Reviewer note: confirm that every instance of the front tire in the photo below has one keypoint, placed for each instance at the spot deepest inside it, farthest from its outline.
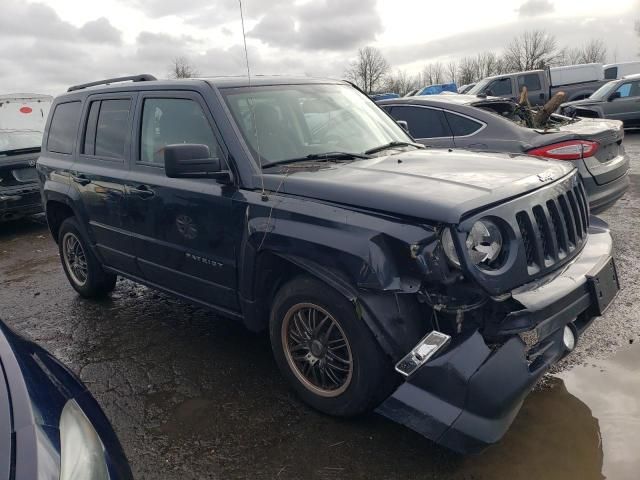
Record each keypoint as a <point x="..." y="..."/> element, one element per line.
<point x="326" y="351"/>
<point x="83" y="270"/>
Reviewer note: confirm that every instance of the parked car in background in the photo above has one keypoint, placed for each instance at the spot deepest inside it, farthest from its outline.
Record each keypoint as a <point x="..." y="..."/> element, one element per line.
<point x="383" y="96"/>
<point x="50" y="425"/>
<point x="437" y="89"/>
<point x="616" y="100"/>
<point x="466" y="88"/>
<point x="576" y="81"/>
<point x="22" y="119"/>
<point x="389" y="276"/>
<point x="616" y="71"/>
<point x="467" y="121"/>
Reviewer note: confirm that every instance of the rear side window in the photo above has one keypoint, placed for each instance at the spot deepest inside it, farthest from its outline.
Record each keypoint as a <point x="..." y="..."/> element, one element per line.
<point x="63" y="129"/>
<point x="500" y="87"/>
<point x="462" y="126"/>
<point x="423" y="122"/>
<point x="531" y="81"/>
<point x="107" y="128"/>
<point x="170" y="121"/>
<point x="611" y="73"/>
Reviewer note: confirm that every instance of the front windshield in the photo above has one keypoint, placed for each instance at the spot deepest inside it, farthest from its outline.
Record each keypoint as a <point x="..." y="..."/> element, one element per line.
<point x="286" y="122"/>
<point x="22" y="122"/>
<point x="479" y="87"/>
<point x="604" y="91"/>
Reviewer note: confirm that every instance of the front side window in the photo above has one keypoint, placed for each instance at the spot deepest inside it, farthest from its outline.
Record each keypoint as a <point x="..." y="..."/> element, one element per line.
<point x="63" y="129"/>
<point x="631" y="89"/>
<point x="286" y="122"/>
<point x="500" y="87"/>
<point x="423" y="122"/>
<point x="171" y="121"/>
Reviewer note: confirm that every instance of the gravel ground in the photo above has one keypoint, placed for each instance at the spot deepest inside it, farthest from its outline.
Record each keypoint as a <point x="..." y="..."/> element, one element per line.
<point x="191" y="397"/>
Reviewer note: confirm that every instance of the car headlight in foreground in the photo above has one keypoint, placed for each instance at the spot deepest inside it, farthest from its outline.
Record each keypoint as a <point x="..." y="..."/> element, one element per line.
<point x="82" y="452"/>
<point x="484" y="244"/>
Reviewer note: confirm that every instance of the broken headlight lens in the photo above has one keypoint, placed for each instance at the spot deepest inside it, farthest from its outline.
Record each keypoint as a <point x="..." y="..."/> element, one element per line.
<point x="449" y="248"/>
<point x="484" y="243"/>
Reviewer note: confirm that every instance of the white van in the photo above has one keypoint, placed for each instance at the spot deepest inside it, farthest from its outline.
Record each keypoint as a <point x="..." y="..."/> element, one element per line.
<point x="615" y="71"/>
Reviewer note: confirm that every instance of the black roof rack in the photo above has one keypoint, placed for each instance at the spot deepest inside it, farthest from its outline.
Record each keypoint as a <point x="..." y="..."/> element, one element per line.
<point x="145" y="77"/>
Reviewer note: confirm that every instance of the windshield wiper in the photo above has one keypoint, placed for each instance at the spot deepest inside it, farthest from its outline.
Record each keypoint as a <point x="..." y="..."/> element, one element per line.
<point x="391" y="145"/>
<point x="319" y="156"/>
<point x="19" y="151"/>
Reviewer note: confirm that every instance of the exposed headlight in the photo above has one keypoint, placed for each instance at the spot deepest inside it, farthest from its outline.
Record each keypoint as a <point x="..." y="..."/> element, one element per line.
<point x="484" y="242"/>
<point x="449" y="248"/>
<point x="82" y="452"/>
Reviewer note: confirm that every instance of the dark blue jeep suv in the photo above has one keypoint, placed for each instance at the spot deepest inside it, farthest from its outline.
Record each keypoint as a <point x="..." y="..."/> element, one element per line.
<point x="435" y="286"/>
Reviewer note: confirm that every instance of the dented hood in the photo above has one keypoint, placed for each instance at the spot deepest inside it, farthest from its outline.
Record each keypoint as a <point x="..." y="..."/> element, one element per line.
<point x="433" y="185"/>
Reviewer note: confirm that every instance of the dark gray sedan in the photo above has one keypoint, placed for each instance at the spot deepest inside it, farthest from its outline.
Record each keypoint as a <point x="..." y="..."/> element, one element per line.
<point x="594" y="146"/>
<point x="616" y="100"/>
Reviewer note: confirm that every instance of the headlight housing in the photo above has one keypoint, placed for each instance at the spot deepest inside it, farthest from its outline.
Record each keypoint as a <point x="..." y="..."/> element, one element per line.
<point x="82" y="451"/>
<point x="484" y="244"/>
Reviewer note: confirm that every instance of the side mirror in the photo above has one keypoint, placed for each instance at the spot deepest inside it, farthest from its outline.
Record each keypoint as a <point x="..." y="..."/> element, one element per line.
<point x="190" y="161"/>
<point x="488" y="93"/>
<point x="614" y="95"/>
<point x="403" y="124"/>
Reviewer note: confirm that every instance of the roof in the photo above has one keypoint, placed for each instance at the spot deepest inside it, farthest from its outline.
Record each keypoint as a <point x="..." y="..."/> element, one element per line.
<point x="458" y="99"/>
<point x="218" y="82"/>
<point x="631" y="77"/>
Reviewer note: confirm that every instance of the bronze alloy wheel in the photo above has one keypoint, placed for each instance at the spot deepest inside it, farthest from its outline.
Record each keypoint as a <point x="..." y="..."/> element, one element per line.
<point x="74" y="258"/>
<point x="317" y="350"/>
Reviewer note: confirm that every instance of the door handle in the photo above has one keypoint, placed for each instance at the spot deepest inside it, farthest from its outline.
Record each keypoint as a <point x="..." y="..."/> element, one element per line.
<point x="81" y="179"/>
<point x="143" y="191"/>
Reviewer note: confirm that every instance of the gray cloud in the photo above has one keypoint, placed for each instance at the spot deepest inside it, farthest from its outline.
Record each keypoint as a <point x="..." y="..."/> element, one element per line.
<point x="336" y="25"/>
<point x="101" y="31"/>
<point x="533" y="8"/>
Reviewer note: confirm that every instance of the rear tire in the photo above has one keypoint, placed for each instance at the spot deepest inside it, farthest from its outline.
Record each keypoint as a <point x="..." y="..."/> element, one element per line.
<point x="83" y="270"/>
<point x="326" y="352"/>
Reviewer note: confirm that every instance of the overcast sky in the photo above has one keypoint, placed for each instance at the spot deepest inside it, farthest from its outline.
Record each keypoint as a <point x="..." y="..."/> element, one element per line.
<point x="48" y="45"/>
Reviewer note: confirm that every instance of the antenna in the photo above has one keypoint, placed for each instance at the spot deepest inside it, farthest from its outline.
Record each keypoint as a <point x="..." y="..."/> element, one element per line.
<point x="253" y="113"/>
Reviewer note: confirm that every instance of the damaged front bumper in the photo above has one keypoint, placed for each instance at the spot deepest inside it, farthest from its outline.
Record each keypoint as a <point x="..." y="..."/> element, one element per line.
<point x="466" y="397"/>
<point x="19" y="201"/>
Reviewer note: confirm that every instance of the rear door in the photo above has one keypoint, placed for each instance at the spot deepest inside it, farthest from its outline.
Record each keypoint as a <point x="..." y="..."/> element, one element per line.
<point x="426" y="124"/>
<point x="100" y="173"/>
<point x="182" y="228"/>
<point x="627" y="107"/>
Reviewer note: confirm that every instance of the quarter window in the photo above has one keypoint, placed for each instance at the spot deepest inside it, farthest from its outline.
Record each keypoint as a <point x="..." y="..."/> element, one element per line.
<point x="423" y="122"/>
<point x="64" y="125"/>
<point x="462" y="126"/>
<point x="170" y="121"/>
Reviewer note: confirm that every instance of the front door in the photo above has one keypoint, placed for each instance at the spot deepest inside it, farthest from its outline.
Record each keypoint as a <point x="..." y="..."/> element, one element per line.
<point x="99" y="175"/>
<point x="627" y="106"/>
<point x="181" y="227"/>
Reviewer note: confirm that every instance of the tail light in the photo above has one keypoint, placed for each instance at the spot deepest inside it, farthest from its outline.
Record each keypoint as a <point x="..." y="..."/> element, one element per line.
<point x="571" y="150"/>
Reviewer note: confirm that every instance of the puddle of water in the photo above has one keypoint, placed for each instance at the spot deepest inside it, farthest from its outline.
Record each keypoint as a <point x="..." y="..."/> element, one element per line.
<point x="611" y="388"/>
<point x="585" y="426"/>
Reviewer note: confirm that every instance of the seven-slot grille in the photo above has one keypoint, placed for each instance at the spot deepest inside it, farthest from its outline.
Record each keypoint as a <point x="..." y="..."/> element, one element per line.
<point x="554" y="230"/>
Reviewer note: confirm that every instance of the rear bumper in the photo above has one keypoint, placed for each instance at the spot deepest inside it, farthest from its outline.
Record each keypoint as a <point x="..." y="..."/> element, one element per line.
<point x="19" y="201"/>
<point x="601" y="197"/>
<point x="467" y="397"/>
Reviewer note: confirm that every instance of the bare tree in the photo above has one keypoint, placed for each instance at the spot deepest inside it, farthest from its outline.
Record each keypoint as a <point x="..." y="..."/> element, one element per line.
<point x="637" y="28"/>
<point x="433" y="73"/>
<point x="595" y="51"/>
<point x="467" y="70"/>
<point x="182" y="68"/>
<point x="401" y="83"/>
<point x="452" y="71"/>
<point x="532" y="50"/>
<point x="569" y="56"/>
<point x="369" y="69"/>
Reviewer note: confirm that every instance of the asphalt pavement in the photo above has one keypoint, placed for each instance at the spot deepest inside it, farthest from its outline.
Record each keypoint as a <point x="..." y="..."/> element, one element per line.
<point x="192" y="396"/>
